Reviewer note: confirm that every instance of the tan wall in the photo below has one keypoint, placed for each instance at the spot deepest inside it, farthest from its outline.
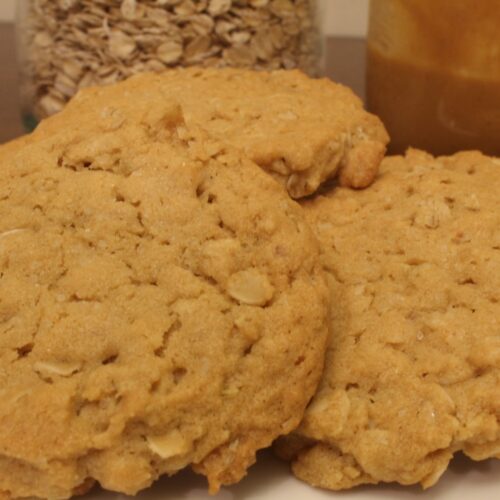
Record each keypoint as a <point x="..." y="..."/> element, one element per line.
<point x="346" y="17"/>
<point x="7" y="8"/>
<point x="342" y="17"/>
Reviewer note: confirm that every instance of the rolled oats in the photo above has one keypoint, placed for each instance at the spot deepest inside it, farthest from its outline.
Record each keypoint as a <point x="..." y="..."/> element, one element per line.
<point x="70" y="44"/>
<point x="169" y="52"/>
<point x="250" y="287"/>
<point x="169" y="445"/>
<point x="218" y="7"/>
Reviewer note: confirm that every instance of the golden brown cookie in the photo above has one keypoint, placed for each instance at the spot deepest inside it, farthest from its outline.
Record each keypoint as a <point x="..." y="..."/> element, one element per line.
<point x="413" y="369"/>
<point x="304" y="131"/>
<point x="162" y="304"/>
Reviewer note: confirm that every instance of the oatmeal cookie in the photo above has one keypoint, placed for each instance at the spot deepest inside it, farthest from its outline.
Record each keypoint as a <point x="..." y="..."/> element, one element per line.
<point x="303" y="131"/>
<point x="162" y="304"/>
<point x="413" y="370"/>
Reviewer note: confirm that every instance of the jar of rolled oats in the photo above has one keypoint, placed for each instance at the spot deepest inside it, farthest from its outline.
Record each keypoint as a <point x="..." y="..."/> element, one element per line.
<point x="66" y="45"/>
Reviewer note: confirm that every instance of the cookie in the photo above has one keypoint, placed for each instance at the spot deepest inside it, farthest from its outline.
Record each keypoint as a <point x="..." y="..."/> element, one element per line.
<point x="162" y="304"/>
<point x="413" y="370"/>
<point x="301" y="130"/>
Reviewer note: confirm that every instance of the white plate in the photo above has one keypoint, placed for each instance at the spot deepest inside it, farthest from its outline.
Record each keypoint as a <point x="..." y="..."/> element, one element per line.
<point x="270" y="479"/>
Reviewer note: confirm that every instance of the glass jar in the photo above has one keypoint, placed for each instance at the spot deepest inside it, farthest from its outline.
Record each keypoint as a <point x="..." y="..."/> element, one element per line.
<point x="434" y="73"/>
<point x="65" y="45"/>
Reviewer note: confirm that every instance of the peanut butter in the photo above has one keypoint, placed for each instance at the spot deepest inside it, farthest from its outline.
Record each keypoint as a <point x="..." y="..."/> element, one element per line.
<point x="434" y="73"/>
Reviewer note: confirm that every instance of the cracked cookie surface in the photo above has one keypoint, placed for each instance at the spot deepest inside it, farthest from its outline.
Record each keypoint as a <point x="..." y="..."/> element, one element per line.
<point x="162" y="305"/>
<point x="413" y="370"/>
<point x="303" y="131"/>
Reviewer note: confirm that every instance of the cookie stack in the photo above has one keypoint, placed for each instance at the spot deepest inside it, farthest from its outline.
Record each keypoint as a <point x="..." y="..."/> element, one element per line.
<point x="164" y="302"/>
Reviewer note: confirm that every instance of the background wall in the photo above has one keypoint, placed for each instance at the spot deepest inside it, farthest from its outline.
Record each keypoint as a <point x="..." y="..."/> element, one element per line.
<point x="7" y="8"/>
<point x="346" y="17"/>
<point x="342" y="17"/>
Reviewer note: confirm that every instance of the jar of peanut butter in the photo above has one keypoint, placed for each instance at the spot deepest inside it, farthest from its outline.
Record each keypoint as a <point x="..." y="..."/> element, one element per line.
<point x="434" y="73"/>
